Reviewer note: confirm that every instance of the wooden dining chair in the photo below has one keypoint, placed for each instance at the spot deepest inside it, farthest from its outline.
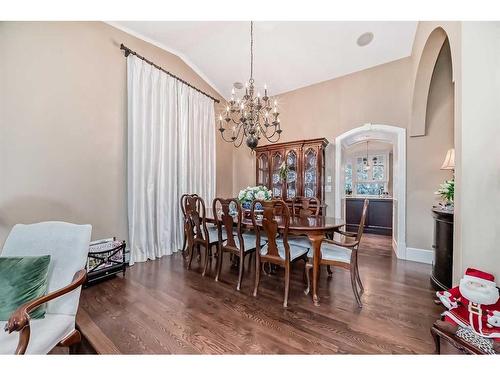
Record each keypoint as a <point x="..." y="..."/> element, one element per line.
<point x="278" y="250"/>
<point x="304" y="207"/>
<point x="344" y="254"/>
<point x="232" y="238"/>
<point x="185" y="220"/>
<point x="199" y="234"/>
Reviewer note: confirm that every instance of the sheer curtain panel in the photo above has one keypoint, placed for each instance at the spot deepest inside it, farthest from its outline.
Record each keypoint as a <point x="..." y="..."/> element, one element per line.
<point x="171" y="151"/>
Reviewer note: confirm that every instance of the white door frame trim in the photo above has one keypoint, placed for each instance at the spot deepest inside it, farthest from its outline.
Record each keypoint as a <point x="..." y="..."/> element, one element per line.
<point x="397" y="136"/>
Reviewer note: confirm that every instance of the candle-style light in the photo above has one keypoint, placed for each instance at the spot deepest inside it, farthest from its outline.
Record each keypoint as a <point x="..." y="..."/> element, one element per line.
<point x="250" y="117"/>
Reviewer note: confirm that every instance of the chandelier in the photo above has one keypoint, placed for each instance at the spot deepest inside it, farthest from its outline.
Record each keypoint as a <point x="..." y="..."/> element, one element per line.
<point x="250" y="117"/>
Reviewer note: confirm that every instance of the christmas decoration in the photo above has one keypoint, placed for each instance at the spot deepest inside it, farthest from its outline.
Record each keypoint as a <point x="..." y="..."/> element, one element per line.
<point x="474" y="304"/>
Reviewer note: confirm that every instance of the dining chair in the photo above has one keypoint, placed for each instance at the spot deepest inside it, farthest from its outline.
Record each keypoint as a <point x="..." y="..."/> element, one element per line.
<point x="304" y="207"/>
<point x="344" y="254"/>
<point x="199" y="234"/>
<point x="232" y="238"/>
<point x="185" y="219"/>
<point x="277" y="250"/>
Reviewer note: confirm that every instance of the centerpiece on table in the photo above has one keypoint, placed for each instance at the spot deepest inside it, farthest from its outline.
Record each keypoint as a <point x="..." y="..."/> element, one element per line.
<point x="248" y="195"/>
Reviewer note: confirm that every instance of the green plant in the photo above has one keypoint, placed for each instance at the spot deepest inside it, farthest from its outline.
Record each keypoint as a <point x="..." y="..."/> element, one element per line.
<point x="447" y="190"/>
<point x="283" y="171"/>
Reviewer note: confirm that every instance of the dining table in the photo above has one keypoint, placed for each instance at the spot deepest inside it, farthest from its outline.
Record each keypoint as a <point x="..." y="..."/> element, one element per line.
<point x="314" y="227"/>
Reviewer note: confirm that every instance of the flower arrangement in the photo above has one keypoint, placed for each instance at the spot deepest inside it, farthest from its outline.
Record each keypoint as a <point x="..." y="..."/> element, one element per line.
<point x="447" y="190"/>
<point x="248" y="195"/>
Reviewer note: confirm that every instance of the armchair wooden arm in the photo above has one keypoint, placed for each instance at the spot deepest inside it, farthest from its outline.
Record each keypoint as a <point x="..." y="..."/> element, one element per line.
<point x="347" y="234"/>
<point x="19" y="320"/>
<point x="349" y="245"/>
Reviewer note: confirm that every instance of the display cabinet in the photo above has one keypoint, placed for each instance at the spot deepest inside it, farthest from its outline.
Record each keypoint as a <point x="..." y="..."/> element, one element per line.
<point x="305" y="161"/>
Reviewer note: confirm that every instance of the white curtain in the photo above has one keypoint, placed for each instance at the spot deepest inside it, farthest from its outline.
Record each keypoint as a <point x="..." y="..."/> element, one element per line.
<point x="171" y="151"/>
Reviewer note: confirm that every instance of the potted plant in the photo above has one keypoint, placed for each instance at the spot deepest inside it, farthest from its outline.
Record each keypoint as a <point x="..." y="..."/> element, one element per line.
<point x="447" y="192"/>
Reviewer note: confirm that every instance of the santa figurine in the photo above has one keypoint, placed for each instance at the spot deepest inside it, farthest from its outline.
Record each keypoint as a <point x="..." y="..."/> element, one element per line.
<point x="474" y="304"/>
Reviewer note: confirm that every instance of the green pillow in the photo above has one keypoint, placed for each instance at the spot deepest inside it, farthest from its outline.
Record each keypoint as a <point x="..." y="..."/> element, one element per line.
<point x="22" y="279"/>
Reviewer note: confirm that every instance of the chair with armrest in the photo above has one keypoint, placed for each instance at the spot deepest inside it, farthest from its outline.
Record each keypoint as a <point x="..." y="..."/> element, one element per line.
<point x="68" y="246"/>
<point x="344" y="254"/>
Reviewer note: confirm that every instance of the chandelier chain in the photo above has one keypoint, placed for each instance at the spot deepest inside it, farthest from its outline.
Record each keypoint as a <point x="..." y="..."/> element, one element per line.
<point x="251" y="50"/>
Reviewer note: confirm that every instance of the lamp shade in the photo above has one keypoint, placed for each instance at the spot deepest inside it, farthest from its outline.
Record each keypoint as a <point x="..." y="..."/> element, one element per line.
<point x="449" y="160"/>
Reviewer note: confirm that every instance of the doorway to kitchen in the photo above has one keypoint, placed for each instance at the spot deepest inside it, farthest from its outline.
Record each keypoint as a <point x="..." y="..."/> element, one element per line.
<point x="370" y="162"/>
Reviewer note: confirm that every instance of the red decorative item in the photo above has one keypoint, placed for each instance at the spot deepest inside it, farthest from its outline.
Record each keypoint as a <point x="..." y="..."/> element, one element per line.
<point x="474" y="304"/>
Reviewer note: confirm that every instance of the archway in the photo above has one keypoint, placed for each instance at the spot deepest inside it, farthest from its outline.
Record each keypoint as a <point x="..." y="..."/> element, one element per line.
<point x="423" y="79"/>
<point x="397" y="137"/>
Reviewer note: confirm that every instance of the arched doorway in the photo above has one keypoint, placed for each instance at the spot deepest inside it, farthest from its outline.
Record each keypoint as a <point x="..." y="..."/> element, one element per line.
<point x="385" y="133"/>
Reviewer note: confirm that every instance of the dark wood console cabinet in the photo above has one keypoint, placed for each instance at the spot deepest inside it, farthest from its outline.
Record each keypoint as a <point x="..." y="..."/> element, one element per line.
<point x="306" y="164"/>
<point x="442" y="267"/>
<point x="378" y="218"/>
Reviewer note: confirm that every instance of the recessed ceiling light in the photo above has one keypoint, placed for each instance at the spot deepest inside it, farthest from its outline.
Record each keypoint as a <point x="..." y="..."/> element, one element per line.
<point x="238" y="85"/>
<point x="365" y="39"/>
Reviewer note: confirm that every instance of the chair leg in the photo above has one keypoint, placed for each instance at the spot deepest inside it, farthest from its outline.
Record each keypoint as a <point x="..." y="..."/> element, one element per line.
<point x="354" y="286"/>
<point x="242" y="269"/>
<point x="184" y="242"/>
<point x="207" y="256"/>
<point x="191" y="253"/>
<point x="198" y="247"/>
<point x="219" y="263"/>
<point x="358" y="279"/>
<point x="257" y="274"/>
<point x="329" y="270"/>
<point x="307" y="270"/>
<point x="287" y="284"/>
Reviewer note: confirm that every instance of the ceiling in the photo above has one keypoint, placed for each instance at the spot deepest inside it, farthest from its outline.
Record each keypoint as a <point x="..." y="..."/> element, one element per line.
<point x="288" y="55"/>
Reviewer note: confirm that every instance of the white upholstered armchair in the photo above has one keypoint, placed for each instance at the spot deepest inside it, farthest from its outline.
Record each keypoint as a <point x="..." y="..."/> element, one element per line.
<point x="68" y="246"/>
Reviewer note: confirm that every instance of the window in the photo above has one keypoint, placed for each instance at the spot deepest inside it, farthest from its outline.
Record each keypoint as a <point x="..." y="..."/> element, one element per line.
<point x="372" y="180"/>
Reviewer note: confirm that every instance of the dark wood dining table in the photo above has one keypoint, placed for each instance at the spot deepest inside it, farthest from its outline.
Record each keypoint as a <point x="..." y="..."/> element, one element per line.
<point x="314" y="227"/>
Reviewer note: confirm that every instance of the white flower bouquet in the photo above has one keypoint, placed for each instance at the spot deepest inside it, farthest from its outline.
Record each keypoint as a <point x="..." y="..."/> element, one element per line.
<point x="248" y="195"/>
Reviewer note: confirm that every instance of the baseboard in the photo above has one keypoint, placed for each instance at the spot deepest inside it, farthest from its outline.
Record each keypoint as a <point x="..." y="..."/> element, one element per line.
<point x="394" y="245"/>
<point x="419" y="255"/>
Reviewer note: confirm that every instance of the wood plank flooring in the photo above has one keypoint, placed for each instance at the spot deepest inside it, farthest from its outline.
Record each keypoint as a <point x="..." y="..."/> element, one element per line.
<point x="161" y="307"/>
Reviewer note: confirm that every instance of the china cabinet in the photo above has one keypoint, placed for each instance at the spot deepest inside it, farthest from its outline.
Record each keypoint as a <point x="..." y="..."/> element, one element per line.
<point x="305" y="162"/>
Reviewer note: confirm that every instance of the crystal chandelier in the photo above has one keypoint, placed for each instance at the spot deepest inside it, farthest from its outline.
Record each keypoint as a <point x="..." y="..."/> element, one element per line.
<point x="250" y="117"/>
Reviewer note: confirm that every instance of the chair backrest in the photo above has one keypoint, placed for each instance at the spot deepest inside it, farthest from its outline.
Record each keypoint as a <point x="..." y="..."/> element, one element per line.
<point x="229" y="222"/>
<point x="68" y="247"/>
<point x="196" y="216"/>
<point x="305" y="206"/>
<point x="273" y="210"/>
<point x="183" y="202"/>
<point x="362" y="221"/>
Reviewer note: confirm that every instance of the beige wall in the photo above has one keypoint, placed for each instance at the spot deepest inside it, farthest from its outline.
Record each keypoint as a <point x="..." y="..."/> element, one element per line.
<point x="480" y="188"/>
<point x="63" y="123"/>
<point x="379" y="95"/>
<point x="425" y="155"/>
<point x="328" y="109"/>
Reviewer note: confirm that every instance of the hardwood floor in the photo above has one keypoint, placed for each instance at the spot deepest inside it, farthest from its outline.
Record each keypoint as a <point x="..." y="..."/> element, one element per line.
<point x="161" y="307"/>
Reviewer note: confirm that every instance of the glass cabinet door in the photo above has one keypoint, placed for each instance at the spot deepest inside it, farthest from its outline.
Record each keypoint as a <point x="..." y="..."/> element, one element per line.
<point x="291" y="180"/>
<point x="263" y="170"/>
<point x="276" y="183"/>
<point x="310" y="173"/>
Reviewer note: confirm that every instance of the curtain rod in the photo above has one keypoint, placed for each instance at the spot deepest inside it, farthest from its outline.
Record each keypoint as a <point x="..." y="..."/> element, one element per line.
<point x="128" y="51"/>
